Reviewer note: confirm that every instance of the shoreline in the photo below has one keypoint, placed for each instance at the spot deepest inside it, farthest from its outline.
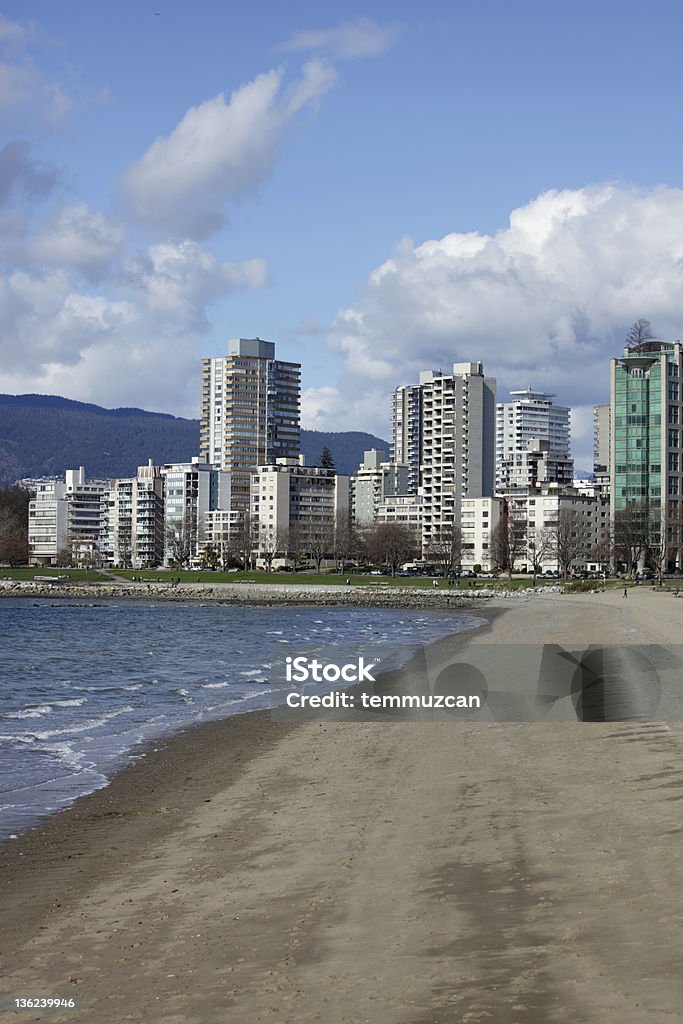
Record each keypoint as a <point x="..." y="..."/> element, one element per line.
<point x="387" y="871"/>
<point x="260" y="594"/>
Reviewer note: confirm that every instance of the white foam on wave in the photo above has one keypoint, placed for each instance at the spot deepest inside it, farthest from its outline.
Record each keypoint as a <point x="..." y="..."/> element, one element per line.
<point x="92" y="723"/>
<point x="34" y="712"/>
<point x="214" y="686"/>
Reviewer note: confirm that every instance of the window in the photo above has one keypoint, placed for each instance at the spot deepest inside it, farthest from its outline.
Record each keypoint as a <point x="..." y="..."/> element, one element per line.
<point x="673" y="462"/>
<point x="673" y="414"/>
<point x="673" y="485"/>
<point x="673" y="391"/>
<point x="673" y="439"/>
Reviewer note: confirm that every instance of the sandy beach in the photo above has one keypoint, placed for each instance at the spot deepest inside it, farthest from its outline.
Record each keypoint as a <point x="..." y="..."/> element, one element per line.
<point x="372" y="871"/>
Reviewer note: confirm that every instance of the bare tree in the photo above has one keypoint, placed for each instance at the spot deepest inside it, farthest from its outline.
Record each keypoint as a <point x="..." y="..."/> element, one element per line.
<point x="638" y="333"/>
<point x="508" y="542"/>
<point x="347" y="542"/>
<point x="445" y="547"/>
<point x="317" y="539"/>
<point x="270" y="543"/>
<point x="390" y="544"/>
<point x="182" y="539"/>
<point x="14" y="502"/>
<point x="569" y="538"/>
<point x="630" y="532"/>
<point x="539" y="545"/>
<point x="244" y="538"/>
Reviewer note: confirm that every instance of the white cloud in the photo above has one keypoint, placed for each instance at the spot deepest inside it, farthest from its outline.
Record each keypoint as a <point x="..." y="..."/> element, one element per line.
<point x="545" y="301"/>
<point x="360" y="37"/>
<point x="176" y="281"/>
<point x="219" y="152"/>
<point x="79" y="238"/>
<point x="79" y="317"/>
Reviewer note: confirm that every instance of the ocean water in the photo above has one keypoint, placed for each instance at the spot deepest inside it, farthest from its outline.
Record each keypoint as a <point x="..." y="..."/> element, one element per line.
<point x="81" y="686"/>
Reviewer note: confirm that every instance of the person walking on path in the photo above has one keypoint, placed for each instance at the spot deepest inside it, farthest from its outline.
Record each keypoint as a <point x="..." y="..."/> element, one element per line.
<point x="625" y="591"/>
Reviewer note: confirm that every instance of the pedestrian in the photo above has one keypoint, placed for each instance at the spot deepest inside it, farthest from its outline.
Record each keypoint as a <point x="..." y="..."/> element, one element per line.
<point x="625" y="592"/>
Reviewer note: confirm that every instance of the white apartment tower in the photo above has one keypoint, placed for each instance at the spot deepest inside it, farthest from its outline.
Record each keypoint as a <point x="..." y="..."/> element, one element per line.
<point x="446" y="425"/>
<point x="250" y="412"/>
<point x="530" y="416"/>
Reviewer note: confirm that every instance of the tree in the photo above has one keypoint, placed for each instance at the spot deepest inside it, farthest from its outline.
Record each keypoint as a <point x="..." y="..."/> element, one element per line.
<point x="569" y="538"/>
<point x="390" y="544"/>
<point x="244" y="538"/>
<point x="630" y="531"/>
<point x="538" y="546"/>
<point x="638" y="333"/>
<point x="210" y="557"/>
<point x="14" y="503"/>
<point x="326" y="460"/>
<point x="347" y="542"/>
<point x="271" y="543"/>
<point x="508" y="542"/>
<point x="316" y="537"/>
<point x="182" y="539"/>
<point x="445" y="547"/>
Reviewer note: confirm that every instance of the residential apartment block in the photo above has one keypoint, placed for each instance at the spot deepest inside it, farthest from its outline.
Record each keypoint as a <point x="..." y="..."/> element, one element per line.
<point x="447" y="423"/>
<point x="479" y="517"/>
<point x="375" y="481"/>
<point x="292" y="498"/>
<point x="530" y="417"/>
<point x="134" y="528"/>
<point x="192" y="490"/>
<point x="250" y="412"/>
<point x="66" y="520"/>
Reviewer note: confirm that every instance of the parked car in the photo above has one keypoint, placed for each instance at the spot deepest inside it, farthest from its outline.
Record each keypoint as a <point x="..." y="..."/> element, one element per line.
<point x="646" y="575"/>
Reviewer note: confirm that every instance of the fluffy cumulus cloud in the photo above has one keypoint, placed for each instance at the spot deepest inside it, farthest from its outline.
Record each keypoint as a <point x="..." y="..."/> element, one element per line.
<point x="219" y="152"/>
<point x="359" y="37"/>
<point x="176" y="281"/>
<point x="84" y="316"/>
<point x="546" y="301"/>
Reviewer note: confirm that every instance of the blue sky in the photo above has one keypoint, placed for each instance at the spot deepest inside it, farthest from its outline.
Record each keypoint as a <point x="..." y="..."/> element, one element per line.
<point x="378" y="190"/>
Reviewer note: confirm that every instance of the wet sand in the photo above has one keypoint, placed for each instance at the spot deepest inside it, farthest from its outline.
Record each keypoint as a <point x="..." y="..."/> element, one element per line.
<point x="386" y="871"/>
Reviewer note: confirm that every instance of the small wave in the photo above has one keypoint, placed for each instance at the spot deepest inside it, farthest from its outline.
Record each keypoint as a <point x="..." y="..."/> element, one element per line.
<point x="35" y="712"/>
<point x="214" y="686"/>
<point x="74" y="702"/>
<point x="92" y="723"/>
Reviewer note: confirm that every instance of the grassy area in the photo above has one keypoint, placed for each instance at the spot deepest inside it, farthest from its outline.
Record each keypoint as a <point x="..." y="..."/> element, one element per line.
<point x="26" y="572"/>
<point x="329" y="579"/>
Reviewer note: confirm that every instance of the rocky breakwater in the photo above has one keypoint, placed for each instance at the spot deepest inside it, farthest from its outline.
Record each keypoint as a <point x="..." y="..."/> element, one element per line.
<point x="374" y="595"/>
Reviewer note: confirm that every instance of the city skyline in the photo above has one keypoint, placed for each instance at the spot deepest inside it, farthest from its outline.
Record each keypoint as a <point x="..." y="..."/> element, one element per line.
<point x="379" y="193"/>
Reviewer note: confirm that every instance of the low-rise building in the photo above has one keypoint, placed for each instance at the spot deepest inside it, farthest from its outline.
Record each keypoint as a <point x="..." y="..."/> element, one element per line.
<point x="479" y="517"/>
<point x="297" y="506"/>
<point x="66" y="520"/>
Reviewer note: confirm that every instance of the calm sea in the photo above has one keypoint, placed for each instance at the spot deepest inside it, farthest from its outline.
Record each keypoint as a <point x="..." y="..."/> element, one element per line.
<point x="81" y="686"/>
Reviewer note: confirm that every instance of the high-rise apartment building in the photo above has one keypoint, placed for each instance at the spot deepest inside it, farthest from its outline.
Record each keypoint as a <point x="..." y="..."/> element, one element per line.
<point x="646" y="457"/>
<point x="446" y="425"/>
<point x="531" y="415"/>
<point x="250" y="412"/>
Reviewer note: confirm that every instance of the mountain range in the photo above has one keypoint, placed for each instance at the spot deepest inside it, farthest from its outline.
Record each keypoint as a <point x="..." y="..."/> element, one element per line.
<point x="43" y="435"/>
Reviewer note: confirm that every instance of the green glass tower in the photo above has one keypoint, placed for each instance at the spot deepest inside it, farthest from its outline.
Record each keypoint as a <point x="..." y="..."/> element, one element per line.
<point x="646" y="447"/>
